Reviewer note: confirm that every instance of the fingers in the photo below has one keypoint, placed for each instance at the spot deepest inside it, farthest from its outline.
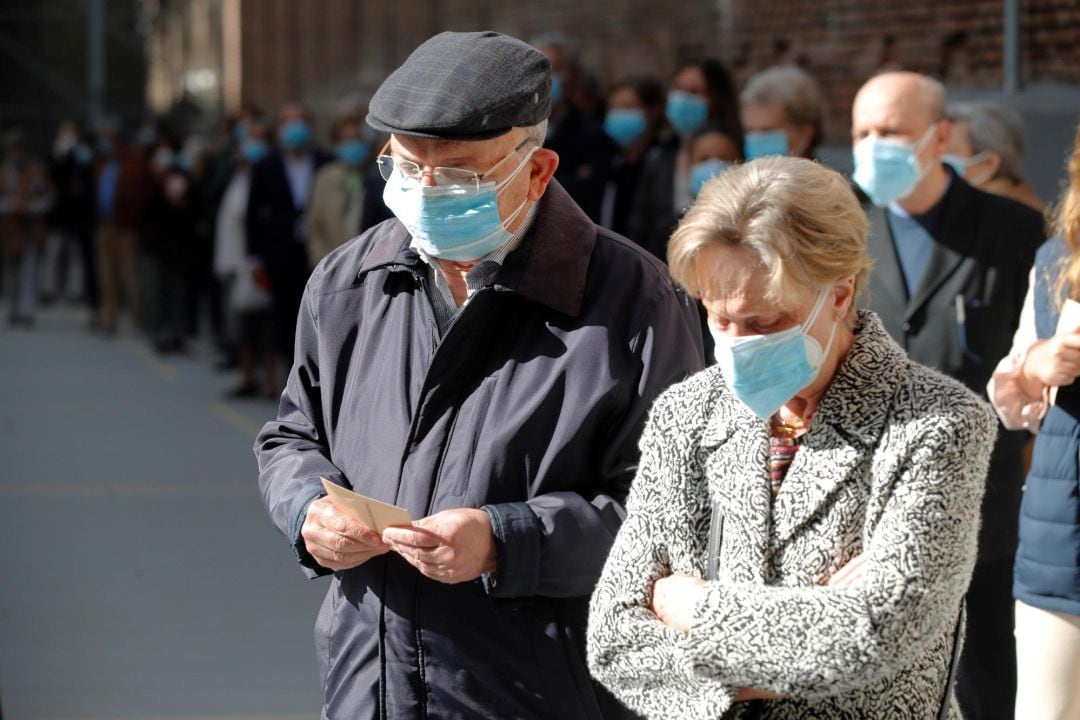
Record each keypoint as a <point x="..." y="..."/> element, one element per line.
<point x="337" y="541"/>
<point x="415" y="536"/>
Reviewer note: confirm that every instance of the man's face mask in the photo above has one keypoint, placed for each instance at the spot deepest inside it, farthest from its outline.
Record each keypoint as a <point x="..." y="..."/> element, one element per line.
<point x="459" y="222"/>
<point x="889" y="170"/>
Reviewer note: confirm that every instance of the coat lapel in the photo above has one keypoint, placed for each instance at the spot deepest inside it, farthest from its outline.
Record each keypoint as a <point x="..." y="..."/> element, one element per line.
<point x="888" y="288"/>
<point x="845" y="431"/>
<point x="953" y="240"/>
<point x="735" y="444"/>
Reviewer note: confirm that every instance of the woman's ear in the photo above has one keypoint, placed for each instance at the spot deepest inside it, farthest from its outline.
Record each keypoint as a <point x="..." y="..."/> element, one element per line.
<point x="843" y="296"/>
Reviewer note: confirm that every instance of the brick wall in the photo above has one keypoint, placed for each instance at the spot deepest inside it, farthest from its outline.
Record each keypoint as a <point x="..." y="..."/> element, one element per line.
<point x="323" y="51"/>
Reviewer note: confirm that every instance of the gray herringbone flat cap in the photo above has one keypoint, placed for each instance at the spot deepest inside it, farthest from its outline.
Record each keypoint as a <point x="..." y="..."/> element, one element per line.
<point x="464" y="86"/>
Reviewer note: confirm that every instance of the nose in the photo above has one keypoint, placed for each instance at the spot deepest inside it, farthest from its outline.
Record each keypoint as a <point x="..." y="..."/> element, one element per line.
<point x="427" y="177"/>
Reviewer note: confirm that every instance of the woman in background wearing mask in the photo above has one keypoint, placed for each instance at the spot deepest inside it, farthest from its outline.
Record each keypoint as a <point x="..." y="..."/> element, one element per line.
<point x="803" y="523"/>
<point x="700" y="93"/>
<point x="634" y="121"/>
<point x="337" y="198"/>
<point x="783" y="111"/>
<point x="986" y="148"/>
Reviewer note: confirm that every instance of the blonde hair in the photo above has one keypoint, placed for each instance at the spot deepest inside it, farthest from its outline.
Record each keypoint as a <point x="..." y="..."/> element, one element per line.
<point x="802" y="219"/>
<point x="1067" y="224"/>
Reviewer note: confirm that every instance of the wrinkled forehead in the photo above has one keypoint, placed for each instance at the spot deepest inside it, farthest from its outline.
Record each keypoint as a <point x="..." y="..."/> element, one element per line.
<point x="454" y="153"/>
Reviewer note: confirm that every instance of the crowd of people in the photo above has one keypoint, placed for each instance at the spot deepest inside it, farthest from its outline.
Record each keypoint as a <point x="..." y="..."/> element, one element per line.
<point x="695" y="172"/>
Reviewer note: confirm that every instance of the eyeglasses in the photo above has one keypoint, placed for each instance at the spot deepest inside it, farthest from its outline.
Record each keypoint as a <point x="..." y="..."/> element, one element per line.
<point x="442" y="175"/>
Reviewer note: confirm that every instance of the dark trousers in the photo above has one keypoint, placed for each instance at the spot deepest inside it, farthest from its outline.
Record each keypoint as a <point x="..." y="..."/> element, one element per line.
<point x="986" y="677"/>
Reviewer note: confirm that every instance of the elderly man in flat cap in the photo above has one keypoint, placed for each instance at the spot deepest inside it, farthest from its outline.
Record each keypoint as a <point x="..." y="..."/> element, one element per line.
<point x="485" y="361"/>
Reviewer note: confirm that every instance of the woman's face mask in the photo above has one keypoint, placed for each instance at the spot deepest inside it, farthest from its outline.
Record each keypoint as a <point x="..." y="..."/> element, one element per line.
<point x="765" y="371"/>
<point x="459" y="223"/>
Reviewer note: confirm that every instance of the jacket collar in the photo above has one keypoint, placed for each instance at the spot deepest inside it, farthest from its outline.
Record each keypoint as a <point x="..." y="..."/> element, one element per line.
<point x="549" y="268"/>
<point x="847" y="428"/>
<point x="954" y="239"/>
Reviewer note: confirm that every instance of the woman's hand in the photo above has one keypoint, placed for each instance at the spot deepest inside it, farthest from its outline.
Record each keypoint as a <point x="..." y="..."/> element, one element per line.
<point x="1051" y="362"/>
<point x="674" y="599"/>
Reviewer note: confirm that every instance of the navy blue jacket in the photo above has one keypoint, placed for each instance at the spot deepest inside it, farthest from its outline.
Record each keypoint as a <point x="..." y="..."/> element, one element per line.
<point x="1047" y="569"/>
<point x="530" y="405"/>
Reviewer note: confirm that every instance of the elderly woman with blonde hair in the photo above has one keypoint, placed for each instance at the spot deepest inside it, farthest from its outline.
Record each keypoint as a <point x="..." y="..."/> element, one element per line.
<point x="803" y="524"/>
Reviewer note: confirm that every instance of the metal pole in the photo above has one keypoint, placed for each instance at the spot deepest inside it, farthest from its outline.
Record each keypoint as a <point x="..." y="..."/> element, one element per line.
<point x="95" y="60"/>
<point x="1011" y="54"/>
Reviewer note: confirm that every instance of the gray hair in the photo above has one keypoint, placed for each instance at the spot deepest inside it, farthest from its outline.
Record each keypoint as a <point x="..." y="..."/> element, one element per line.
<point x="537" y="133"/>
<point x="993" y="128"/>
<point x="793" y="89"/>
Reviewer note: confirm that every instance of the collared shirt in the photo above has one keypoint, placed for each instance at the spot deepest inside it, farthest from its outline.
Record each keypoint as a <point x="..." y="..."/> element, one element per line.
<point x="913" y="237"/>
<point x="478" y="276"/>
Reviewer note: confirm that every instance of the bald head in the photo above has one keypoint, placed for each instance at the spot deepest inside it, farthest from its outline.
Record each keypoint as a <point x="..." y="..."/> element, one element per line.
<point x="897" y="104"/>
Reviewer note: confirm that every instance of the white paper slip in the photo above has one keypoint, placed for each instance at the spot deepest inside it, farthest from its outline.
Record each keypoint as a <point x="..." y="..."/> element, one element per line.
<point x="1068" y="323"/>
<point x="376" y="515"/>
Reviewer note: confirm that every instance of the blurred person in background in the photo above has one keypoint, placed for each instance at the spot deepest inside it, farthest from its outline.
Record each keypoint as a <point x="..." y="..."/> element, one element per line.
<point x="634" y="121"/>
<point x="338" y="198"/>
<point x="986" y="148"/>
<point x="1035" y="388"/>
<point x="712" y="151"/>
<point x="783" y="113"/>
<point x="221" y="158"/>
<point x="573" y="132"/>
<point x="278" y="201"/>
<point x="121" y="185"/>
<point x="60" y="276"/>
<point x="26" y="197"/>
<point x="244" y="286"/>
<point x="950" y="272"/>
<point x="170" y="244"/>
<point x="700" y="92"/>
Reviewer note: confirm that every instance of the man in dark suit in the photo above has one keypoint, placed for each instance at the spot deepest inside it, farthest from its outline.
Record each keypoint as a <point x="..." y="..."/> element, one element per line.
<point x="951" y="268"/>
<point x="280" y="189"/>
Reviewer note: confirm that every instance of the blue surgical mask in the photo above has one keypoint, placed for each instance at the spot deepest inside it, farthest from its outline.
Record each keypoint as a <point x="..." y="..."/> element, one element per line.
<point x="888" y="170"/>
<point x="556" y="89"/>
<point x="960" y="164"/>
<point x="254" y="150"/>
<point x="705" y="171"/>
<point x="686" y="112"/>
<point x="295" y="134"/>
<point x="453" y="222"/>
<point x="625" y="125"/>
<point x="352" y="152"/>
<point x="83" y="155"/>
<point x="765" y="143"/>
<point x="765" y="371"/>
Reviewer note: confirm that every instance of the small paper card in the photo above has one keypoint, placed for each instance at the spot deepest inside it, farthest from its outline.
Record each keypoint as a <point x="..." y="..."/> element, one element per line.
<point x="1068" y="323"/>
<point x="376" y="515"/>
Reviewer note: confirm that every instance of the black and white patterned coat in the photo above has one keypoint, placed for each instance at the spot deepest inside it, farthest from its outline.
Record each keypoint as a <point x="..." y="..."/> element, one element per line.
<point x="893" y="467"/>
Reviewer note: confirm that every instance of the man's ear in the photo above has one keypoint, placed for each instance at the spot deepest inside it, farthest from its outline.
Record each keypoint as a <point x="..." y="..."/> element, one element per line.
<point x="542" y="167"/>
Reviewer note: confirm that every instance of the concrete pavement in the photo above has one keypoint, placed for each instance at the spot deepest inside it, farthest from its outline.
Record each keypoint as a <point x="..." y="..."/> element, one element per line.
<point x="139" y="574"/>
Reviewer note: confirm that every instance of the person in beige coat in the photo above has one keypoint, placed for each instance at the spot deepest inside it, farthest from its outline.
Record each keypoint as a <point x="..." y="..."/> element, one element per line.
<point x="803" y="525"/>
<point x="337" y="198"/>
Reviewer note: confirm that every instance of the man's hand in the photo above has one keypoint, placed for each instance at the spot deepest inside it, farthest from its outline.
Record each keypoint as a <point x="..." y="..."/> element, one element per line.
<point x="452" y="546"/>
<point x="674" y="598"/>
<point x="337" y="541"/>
<point x="1051" y="362"/>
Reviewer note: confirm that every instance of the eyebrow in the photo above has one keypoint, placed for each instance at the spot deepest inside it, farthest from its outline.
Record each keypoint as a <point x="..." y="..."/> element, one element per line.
<point x="453" y="161"/>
